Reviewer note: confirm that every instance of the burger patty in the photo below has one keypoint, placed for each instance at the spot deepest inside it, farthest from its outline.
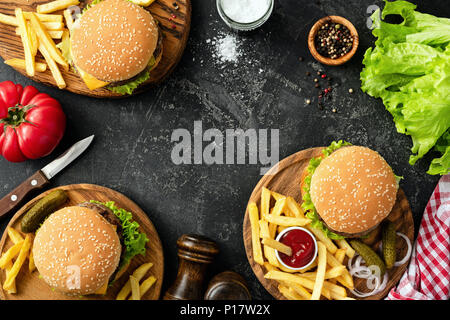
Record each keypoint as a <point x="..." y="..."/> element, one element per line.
<point x="348" y="235"/>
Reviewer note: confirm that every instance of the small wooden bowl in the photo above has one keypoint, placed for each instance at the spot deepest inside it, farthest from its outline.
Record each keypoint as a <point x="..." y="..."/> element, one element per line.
<point x="313" y="33"/>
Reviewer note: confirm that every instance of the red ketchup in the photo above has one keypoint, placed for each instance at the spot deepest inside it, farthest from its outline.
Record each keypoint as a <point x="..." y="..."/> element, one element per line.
<point x="302" y="245"/>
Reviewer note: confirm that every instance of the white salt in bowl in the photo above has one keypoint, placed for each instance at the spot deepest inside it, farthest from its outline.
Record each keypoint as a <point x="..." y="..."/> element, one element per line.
<point x="245" y="15"/>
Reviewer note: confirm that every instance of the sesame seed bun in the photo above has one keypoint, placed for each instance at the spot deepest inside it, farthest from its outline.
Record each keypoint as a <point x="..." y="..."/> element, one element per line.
<point x="76" y="250"/>
<point x="114" y="40"/>
<point x="353" y="190"/>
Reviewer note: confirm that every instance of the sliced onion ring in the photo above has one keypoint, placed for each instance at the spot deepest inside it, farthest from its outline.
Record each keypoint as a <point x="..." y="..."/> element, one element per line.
<point x="361" y="272"/>
<point x="408" y="253"/>
<point x="384" y="283"/>
<point x="374" y="291"/>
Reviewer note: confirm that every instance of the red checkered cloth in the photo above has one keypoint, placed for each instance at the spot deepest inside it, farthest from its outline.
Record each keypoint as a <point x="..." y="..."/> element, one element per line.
<point x="428" y="274"/>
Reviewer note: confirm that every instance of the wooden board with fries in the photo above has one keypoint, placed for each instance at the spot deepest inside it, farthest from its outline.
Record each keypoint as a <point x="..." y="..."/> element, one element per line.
<point x="19" y="277"/>
<point x="274" y="204"/>
<point x="44" y="23"/>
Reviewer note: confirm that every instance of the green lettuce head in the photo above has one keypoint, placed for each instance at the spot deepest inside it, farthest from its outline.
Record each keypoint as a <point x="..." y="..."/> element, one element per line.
<point x="409" y="69"/>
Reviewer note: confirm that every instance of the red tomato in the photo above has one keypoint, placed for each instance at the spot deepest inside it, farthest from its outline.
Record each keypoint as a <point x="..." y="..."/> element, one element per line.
<point x="31" y="123"/>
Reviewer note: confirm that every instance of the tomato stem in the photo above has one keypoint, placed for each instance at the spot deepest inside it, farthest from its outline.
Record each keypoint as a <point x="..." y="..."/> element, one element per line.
<point x="16" y="116"/>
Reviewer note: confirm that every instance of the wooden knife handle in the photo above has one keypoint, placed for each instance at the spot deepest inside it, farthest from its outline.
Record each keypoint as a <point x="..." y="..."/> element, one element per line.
<point x="13" y="199"/>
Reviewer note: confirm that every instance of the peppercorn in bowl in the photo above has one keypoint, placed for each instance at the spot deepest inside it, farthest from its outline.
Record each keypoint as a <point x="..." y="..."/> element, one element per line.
<point x="333" y="40"/>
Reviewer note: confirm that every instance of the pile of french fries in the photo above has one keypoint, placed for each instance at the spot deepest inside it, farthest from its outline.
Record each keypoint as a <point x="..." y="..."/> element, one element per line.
<point x="14" y="258"/>
<point x="327" y="277"/>
<point x="133" y="287"/>
<point x="38" y="30"/>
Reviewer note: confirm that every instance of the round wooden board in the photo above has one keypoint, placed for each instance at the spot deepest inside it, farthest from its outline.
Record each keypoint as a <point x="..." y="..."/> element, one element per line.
<point x="31" y="287"/>
<point x="285" y="178"/>
<point x="174" y="42"/>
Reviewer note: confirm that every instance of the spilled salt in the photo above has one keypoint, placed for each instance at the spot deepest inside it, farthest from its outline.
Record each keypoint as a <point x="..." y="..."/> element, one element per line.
<point x="226" y="48"/>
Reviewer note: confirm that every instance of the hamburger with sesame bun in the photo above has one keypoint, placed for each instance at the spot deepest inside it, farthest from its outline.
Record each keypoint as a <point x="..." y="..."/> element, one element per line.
<point x="80" y="250"/>
<point x="348" y="191"/>
<point x="115" y="44"/>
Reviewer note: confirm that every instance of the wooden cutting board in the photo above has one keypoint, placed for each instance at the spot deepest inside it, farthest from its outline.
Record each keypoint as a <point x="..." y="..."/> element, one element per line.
<point x="175" y="32"/>
<point x="285" y="178"/>
<point x="31" y="287"/>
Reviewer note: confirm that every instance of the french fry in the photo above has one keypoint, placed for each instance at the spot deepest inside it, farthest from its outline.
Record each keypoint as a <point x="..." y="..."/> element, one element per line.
<point x="299" y="289"/>
<point x="26" y="41"/>
<point x="69" y="19"/>
<point x="269" y="252"/>
<point x="53" y="25"/>
<point x="335" y="272"/>
<point x="146" y="285"/>
<point x="9" y="20"/>
<point x="310" y="267"/>
<point x="13" y="234"/>
<point x="142" y="270"/>
<point x="54" y="34"/>
<point x="289" y="294"/>
<point x="45" y="17"/>
<point x="31" y="265"/>
<point x="269" y="266"/>
<point x="256" y="243"/>
<point x="281" y="228"/>
<point x="56" y="5"/>
<point x="10" y="254"/>
<point x="340" y="255"/>
<point x="286" y="221"/>
<point x="295" y="278"/>
<point x="294" y="207"/>
<point x="277" y="196"/>
<point x="139" y="273"/>
<point x="280" y="247"/>
<point x="135" y="290"/>
<point x="320" y="235"/>
<point x="343" y="244"/>
<point x="10" y="278"/>
<point x="329" y="274"/>
<point x="345" y="279"/>
<point x="321" y="269"/>
<point x="335" y="289"/>
<point x="277" y="210"/>
<point x="13" y="288"/>
<point x="125" y="291"/>
<point x="33" y="40"/>
<point x="265" y="201"/>
<point x="47" y="42"/>
<point x="20" y="63"/>
<point x="284" y="269"/>
<point x="301" y="271"/>
<point x="56" y="73"/>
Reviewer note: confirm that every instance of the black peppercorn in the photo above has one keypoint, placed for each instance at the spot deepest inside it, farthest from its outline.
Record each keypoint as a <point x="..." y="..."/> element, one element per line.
<point x="333" y="40"/>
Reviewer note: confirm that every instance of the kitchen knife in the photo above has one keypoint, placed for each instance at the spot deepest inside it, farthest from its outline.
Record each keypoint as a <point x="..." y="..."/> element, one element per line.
<point x="41" y="177"/>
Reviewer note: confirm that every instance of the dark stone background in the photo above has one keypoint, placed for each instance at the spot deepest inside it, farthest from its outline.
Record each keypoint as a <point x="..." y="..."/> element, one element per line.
<point x="266" y="88"/>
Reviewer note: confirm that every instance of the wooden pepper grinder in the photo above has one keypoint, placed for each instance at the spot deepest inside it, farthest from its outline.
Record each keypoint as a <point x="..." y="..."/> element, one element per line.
<point x="195" y="254"/>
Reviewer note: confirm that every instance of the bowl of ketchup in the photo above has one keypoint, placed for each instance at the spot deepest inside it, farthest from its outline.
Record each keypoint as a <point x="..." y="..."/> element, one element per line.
<point x="303" y="245"/>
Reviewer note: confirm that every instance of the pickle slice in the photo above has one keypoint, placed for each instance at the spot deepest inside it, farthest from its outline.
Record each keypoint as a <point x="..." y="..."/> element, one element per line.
<point x="42" y="209"/>
<point x="369" y="255"/>
<point x="389" y="238"/>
